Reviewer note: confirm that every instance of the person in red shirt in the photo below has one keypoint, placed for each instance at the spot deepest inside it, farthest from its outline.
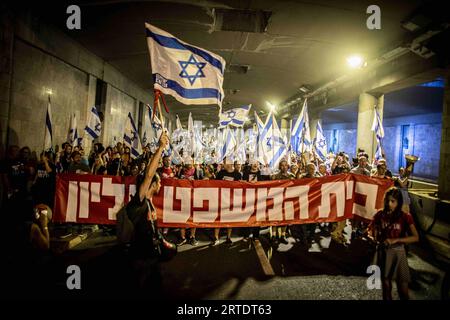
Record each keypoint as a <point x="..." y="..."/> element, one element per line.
<point x="391" y="229"/>
<point x="166" y="170"/>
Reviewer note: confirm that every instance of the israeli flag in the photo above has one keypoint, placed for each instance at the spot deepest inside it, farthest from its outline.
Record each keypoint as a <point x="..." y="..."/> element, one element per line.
<point x="259" y="153"/>
<point x="241" y="154"/>
<point x="94" y="126"/>
<point x="179" y="126"/>
<point x="377" y="127"/>
<point x="227" y="146"/>
<point x="234" y="117"/>
<point x="48" y="136"/>
<point x="300" y="135"/>
<point x="190" y="74"/>
<point x="273" y="144"/>
<point x="131" y="138"/>
<point x="320" y="143"/>
<point x="72" y="136"/>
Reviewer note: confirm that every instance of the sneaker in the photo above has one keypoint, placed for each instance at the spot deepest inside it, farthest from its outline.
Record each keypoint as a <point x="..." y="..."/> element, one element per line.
<point x="284" y="240"/>
<point x="181" y="242"/>
<point x="228" y="240"/>
<point x="193" y="241"/>
<point x="215" y="242"/>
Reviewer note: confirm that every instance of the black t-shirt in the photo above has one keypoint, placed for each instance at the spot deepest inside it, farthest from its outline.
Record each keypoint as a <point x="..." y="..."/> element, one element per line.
<point x="253" y="176"/>
<point x="145" y="233"/>
<point x="228" y="176"/>
<point x="17" y="175"/>
<point x="44" y="187"/>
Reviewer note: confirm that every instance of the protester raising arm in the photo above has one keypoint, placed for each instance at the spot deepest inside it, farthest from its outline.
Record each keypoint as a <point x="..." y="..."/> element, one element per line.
<point x="151" y="168"/>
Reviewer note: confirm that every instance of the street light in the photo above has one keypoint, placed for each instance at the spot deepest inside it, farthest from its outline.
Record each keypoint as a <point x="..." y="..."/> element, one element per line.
<point x="271" y="106"/>
<point x="355" y="61"/>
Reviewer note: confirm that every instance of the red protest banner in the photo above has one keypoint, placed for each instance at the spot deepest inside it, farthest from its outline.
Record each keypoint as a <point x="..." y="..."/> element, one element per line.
<point x="209" y="203"/>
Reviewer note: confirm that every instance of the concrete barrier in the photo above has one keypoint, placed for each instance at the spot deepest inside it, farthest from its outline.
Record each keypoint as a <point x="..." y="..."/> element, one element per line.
<point x="432" y="216"/>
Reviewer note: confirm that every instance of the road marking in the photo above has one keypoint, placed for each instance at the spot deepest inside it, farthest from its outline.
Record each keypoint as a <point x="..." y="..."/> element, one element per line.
<point x="265" y="264"/>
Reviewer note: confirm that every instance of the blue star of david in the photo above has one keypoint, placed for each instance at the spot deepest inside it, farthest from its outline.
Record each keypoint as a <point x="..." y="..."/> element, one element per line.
<point x="97" y="127"/>
<point x="134" y="136"/>
<point x="198" y="74"/>
<point x="322" y="143"/>
<point x="268" y="142"/>
<point x="231" y="114"/>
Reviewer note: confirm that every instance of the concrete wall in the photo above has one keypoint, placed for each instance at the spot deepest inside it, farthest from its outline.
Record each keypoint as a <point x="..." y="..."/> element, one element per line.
<point x="426" y="144"/>
<point x="36" y="57"/>
<point x="34" y="72"/>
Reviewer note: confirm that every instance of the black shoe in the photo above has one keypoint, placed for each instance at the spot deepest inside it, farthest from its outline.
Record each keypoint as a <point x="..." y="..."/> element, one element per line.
<point x="193" y="241"/>
<point x="181" y="242"/>
<point x="228" y="241"/>
<point x="284" y="240"/>
<point x="214" y="242"/>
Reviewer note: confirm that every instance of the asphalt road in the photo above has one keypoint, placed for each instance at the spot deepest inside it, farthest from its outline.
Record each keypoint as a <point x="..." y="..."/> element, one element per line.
<point x="228" y="271"/>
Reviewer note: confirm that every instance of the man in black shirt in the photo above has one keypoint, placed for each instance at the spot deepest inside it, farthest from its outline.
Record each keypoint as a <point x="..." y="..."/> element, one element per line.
<point x="227" y="174"/>
<point x="44" y="184"/>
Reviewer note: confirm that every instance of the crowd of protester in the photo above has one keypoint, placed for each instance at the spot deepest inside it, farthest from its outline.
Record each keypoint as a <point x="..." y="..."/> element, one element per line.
<point x="28" y="188"/>
<point x="28" y="177"/>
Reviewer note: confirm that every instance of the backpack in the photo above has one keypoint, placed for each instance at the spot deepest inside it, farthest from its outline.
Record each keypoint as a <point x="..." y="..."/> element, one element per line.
<point x="125" y="227"/>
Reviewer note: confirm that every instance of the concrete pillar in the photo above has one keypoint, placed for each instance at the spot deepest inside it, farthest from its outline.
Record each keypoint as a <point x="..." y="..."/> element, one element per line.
<point x="444" y="160"/>
<point x="365" y="136"/>
<point x="107" y="106"/>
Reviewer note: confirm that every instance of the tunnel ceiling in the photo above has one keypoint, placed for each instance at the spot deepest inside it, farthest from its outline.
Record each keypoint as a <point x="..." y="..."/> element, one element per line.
<point x="306" y="42"/>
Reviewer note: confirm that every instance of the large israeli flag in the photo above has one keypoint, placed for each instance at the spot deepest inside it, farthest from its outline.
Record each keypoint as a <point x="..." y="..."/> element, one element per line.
<point x="272" y="142"/>
<point x="94" y="126"/>
<point x="234" y="117"/>
<point x="320" y="143"/>
<point x="190" y="74"/>
<point x="131" y="137"/>
<point x="48" y="136"/>
<point x="300" y="134"/>
<point x="377" y="127"/>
